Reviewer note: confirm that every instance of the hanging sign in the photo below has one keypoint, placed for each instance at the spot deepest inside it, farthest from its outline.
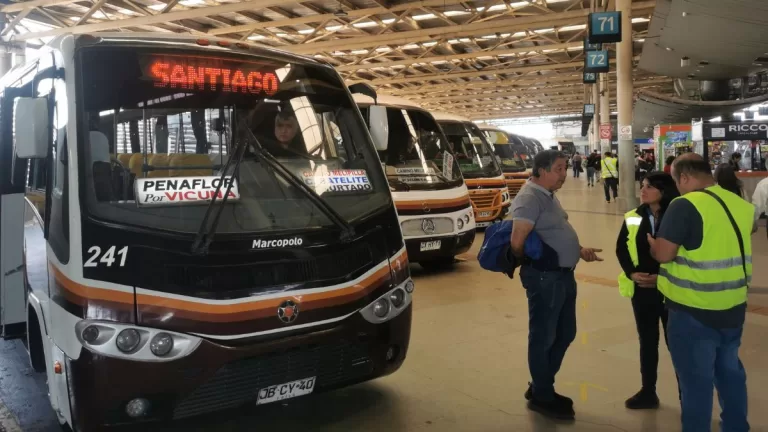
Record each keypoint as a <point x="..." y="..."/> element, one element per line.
<point x="604" y="27"/>
<point x="588" y="46"/>
<point x="596" y="61"/>
<point x="605" y="131"/>
<point x="589" y="110"/>
<point x="590" y="78"/>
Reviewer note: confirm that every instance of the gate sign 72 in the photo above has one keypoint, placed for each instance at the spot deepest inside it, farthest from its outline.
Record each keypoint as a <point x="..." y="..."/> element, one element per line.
<point x="604" y="27"/>
<point x="596" y="61"/>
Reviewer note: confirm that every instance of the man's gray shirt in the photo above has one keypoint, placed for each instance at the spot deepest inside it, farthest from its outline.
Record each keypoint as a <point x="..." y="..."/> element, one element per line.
<point x="538" y="206"/>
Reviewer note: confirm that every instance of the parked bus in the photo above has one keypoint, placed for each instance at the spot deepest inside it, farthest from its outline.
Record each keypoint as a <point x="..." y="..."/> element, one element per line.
<point x="482" y="174"/>
<point x="509" y="157"/>
<point x="191" y="225"/>
<point x="432" y="200"/>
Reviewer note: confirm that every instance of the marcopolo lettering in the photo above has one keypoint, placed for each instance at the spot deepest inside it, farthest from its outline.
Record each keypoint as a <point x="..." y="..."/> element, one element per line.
<point x="277" y="243"/>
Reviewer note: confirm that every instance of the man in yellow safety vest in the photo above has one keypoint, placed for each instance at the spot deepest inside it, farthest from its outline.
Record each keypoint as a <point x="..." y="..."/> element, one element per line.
<point x="706" y="254"/>
<point x="609" y="167"/>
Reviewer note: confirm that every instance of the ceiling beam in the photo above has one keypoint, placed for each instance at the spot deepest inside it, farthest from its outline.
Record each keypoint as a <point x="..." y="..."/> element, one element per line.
<point x="20" y="6"/>
<point x="502" y="25"/>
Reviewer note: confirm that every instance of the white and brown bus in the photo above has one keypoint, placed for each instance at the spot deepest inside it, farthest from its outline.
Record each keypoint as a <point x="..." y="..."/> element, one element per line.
<point x="190" y="225"/>
<point x="509" y="153"/>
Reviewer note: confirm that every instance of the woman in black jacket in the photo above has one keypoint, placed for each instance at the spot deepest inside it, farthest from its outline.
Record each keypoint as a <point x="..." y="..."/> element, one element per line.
<point x="657" y="191"/>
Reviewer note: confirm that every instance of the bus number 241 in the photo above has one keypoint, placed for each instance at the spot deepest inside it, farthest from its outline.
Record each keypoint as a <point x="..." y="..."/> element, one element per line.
<point x="108" y="258"/>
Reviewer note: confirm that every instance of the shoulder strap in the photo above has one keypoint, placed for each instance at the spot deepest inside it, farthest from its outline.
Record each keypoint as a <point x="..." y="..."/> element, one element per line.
<point x="735" y="228"/>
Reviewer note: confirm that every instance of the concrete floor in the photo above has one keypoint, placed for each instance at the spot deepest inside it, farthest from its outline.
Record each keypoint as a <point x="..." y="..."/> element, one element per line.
<point x="467" y="370"/>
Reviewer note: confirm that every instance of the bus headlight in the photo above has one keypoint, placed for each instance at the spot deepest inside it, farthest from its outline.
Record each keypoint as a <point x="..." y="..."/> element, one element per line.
<point x="161" y="344"/>
<point x="135" y="343"/>
<point x="459" y="223"/>
<point x="389" y="305"/>
<point x="128" y="340"/>
<point x="466" y="218"/>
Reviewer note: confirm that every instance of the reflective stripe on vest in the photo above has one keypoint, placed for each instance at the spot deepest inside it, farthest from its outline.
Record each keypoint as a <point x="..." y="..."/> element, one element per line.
<point x="633" y="221"/>
<point x="608" y="168"/>
<point x="712" y="276"/>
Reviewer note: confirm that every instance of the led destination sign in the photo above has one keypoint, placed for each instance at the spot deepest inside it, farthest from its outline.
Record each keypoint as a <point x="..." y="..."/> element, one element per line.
<point x="210" y="74"/>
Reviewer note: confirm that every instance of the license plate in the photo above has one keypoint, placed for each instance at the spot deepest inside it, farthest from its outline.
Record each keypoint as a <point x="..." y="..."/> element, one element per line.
<point x="430" y="245"/>
<point x="485" y="214"/>
<point x="286" y="391"/>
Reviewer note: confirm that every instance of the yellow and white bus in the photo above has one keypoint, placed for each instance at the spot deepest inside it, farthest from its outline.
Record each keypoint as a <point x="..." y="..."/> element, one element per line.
<point x="508" y="150"/>
<point x="432" y="200"/>
<point x="482" y="174"/>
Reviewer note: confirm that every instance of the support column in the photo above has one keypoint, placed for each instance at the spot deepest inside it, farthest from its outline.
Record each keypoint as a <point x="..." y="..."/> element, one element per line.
<point x="624" y="92"/>
<point x="6" y="59"/>
<point x="605" y="110"/>
<point x="596" y="120"/>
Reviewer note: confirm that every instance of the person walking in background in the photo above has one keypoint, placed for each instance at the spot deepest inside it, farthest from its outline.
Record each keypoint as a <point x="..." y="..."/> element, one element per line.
<point x="705" y="250"/>
<point x="592" y="162"/>
<point x="668" y="164"/>
<point x="609" y="167"/>
<point x="638" y="279"/>
<point x="725" y="177"/>
<point x="550" y="285"/>
<point x="576" y="162"/>
<point x="760" y="200"/>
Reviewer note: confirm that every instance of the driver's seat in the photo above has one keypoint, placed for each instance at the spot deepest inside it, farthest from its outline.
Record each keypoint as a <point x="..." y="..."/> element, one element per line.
<point x="102" y="166"/>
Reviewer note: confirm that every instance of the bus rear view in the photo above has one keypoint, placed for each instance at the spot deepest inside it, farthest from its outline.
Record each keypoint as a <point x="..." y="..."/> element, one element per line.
<point x="219" y="230"/>
<point x="482" y="174"/>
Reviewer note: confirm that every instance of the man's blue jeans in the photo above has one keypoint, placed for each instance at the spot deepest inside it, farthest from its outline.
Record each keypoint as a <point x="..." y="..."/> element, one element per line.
<point x="704" y="356"/>
<point x="551" y="325"/>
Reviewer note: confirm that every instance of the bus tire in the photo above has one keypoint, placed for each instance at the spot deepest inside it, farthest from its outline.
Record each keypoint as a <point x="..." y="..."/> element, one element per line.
<point x="444" y="263"/>
<point x="35" y="342"/>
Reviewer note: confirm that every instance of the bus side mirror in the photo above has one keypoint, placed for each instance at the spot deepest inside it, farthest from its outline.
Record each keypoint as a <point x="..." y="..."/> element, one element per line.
<point x="364" y="89"/>
<point x="379" y="126"/>
<point x="31" y="128"/>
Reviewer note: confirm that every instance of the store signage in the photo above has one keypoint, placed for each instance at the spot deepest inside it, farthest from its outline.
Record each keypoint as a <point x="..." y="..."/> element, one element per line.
<point x="596" y="61"/>
<point x="604" y="27"/>
<point x="735" y="131"/>
<point x="590" y="78"/>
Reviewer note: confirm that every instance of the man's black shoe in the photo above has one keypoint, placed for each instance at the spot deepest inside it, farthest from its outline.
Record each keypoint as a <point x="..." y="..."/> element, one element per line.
<point x="564" y="399"/>
<point x="556" y="409"/>
<point x="644" y="399"/>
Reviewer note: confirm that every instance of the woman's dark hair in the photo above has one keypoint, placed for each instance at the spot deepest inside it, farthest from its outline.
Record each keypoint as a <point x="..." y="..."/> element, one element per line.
<point x="669" y="160"/>
<point x="725" y="176"/>
<point x="665" y="184"/>
<point x="735" y="155"/>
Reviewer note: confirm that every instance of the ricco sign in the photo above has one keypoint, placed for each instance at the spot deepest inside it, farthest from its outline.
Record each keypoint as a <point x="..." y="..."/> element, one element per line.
<point x="748" y="130"/>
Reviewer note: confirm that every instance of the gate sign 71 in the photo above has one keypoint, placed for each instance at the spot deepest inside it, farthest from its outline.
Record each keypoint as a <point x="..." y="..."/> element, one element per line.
<point x="604" y="27"/>
<point x="596" y="61"/>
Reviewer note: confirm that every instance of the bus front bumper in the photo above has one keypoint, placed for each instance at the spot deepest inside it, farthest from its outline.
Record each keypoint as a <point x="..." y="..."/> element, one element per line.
<point x="428" y="248"/>
<point x="216" y="377"/>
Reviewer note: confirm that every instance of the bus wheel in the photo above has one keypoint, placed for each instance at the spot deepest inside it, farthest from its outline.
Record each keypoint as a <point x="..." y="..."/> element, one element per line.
<point x="35" y="342"/>
<point x="437" y="264"/>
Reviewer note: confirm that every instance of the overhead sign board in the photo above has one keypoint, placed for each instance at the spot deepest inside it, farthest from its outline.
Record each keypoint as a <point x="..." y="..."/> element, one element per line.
<point x="604" y="27"/>
<point x="590" y="78"/>
<point x="589" y="110"/>
<point x="736" y="131"/>
<point x="596" y="61"/>
<point x="588" y="46"/>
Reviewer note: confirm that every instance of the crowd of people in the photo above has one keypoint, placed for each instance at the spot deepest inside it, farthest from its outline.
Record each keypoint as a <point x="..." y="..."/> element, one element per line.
<point x="686" y="260"/>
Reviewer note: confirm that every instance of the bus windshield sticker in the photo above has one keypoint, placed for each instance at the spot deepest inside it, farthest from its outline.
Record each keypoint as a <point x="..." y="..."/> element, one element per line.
<point x="414" y="170"/>
<point x="338" y="181"/>
<point x="183" y="190"/>
<point x="448" y="165"/>
<point x="210" y="74"/>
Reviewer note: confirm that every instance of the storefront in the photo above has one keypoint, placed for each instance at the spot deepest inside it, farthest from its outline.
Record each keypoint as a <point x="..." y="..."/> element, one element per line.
<point x="749" y="138"/>
<point x="671" y="140"/>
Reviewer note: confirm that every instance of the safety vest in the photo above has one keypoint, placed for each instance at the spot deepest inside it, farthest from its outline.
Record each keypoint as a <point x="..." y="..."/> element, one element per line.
<point x="712" y="276"/>
<point x="608" y="168"/>
<point x="633" y="220"/>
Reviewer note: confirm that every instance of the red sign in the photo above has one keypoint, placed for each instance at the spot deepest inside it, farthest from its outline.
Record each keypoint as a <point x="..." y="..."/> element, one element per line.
<point x="605" y="131"/>
<point x="211" y="74"/>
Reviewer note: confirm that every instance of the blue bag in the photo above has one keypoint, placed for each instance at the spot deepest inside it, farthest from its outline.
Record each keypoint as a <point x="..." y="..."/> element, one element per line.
<point x="496" y="252"/>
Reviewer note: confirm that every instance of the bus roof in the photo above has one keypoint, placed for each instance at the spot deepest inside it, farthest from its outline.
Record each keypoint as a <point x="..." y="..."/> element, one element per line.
<point x="385" y="100"/>
<point x="444" y="116"/>
<point x="185" y="40"/>
<point x="490" y="127"/>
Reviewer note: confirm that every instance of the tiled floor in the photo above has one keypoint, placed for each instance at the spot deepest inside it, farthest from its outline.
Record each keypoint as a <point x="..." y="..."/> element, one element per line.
<point x="467" y="370"/>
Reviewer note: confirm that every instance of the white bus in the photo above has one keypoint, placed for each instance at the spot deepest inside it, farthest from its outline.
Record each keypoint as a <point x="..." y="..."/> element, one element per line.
<point x="482" y="173"/>
<point x="190" y="225"/>
<point x="432" y="200"/>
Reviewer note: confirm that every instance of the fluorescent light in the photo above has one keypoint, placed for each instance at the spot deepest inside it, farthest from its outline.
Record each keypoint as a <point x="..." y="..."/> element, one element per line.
<point x="256" y="37"/>
<point x="383" y="49"/>
<point x="365" y="24"/>
<point x="191" y="2"/>
<point x="359" y="52"/>
<point x="717" y="119"/>
<point x="429" y="44"/>
<point x="424" y="17"/>
<point x="639" y="20"/>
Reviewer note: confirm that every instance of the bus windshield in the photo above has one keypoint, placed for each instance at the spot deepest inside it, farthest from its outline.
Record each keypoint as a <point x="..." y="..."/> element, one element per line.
<point x="161" y="125"/>
<point x="507" y="155"/>
<point x="472" y="151"/>
<point x="418" y="156"/>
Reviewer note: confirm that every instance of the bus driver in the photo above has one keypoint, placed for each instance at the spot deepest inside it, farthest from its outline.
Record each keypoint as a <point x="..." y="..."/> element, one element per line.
<point x="288" y="142"/>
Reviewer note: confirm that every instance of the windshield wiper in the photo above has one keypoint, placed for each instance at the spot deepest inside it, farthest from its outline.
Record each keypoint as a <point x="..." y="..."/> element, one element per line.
<point x="347" y="230"/>
<point x="204" y="235"/>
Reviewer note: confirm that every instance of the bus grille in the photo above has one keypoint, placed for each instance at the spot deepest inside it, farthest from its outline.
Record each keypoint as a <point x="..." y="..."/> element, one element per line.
<point x="238" y="383"/>
<point x="206" y="281"/>
<point x="483" y="199"/>
<point x="514" y="188"/>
